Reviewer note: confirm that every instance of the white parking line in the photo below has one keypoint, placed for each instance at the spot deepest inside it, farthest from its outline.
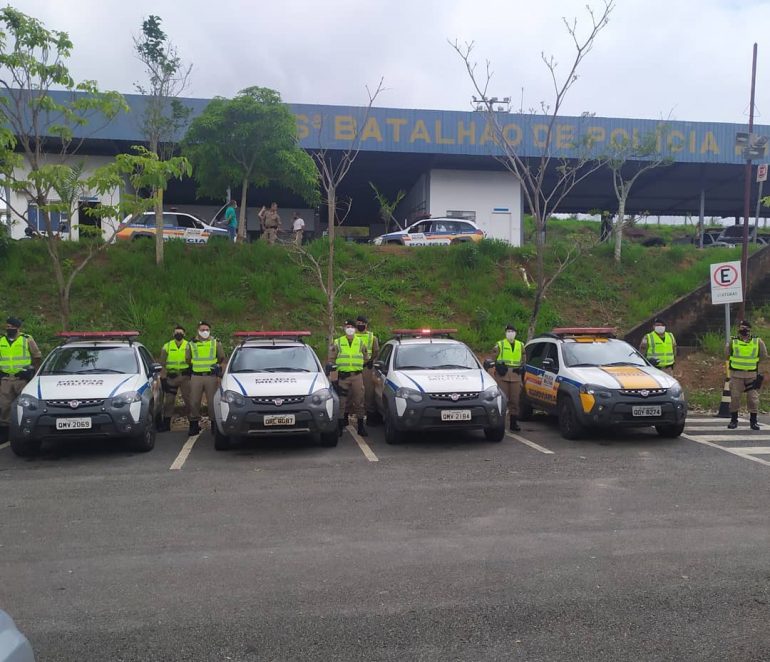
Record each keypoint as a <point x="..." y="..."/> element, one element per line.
<point x="5" y="445"/>
<point x="732" y="451"/>
<point x="529" y="443"/>
<point x="182" y="457"/>
<point x="368" y="452"/>
<point x="752" y="450"/>
<point x="736" y="436"/>
<point x="712" y="419"/>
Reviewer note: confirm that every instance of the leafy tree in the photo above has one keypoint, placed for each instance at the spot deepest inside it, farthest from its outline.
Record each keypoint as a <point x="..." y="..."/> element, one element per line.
<point x="387" y="207"/>
<point x="164" y="115"/>
<point x="248" y="140"/>
<point x="42" y="131"/>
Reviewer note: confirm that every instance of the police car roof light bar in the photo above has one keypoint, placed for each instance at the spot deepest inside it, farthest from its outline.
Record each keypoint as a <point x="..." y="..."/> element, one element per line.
<point x="603" y="331"/>
<point x="423" y="333"/>
<point x="98" y="335"/>
<point x="270" y="335"/>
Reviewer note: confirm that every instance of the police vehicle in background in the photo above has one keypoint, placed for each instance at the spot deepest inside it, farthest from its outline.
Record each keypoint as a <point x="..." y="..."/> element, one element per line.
<point x="273" y="386"/>
<point x="96" y="384"/>
<point x="425" y="380"/>
<point x="434" y="232"/>
<point x="589" y="378"/>
<point x="176" y="225"/>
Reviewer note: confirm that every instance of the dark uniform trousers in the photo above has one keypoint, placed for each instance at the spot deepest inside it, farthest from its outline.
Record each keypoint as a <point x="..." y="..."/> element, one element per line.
<point x="10" y="388"/>
<point x="172" y="385"/>
<point x="510" y="384"/>
<point x="350" y="387"/>
<point x="200" y="384"/>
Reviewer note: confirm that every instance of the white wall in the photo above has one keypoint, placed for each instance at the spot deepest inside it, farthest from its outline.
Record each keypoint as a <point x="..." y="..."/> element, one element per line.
<point x="416" y="202"/>
<point x="495" y="197"/>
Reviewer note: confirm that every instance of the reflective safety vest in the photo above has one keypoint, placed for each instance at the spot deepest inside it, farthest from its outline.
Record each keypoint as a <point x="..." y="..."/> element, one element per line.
<point x="509" y="354"/>
<point x="176" y="359"/>
<point x="367" y="337"/>
<point x="661" y="348"/>
<point x="14" y="356"/>
<point x="350" y="356"/>
<point x="744" y="355"/>
<point x="203" y="354"/>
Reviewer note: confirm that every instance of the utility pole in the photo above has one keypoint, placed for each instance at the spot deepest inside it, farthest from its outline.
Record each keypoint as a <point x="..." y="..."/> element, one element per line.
<point x="747" y="192"/>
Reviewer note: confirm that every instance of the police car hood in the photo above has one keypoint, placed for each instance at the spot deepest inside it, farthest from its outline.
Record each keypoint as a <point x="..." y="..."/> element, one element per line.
<point x="80" y="387"/>
<point x="446" y="381"/>
<point x="622" y="377"/>
<point x="255" y="384"/>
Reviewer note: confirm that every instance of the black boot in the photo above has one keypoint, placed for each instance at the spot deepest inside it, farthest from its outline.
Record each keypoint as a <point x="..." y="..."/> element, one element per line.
<point x="345" y="421"/>
<point x="165" y="425"/>
<point x="514" y="425"/>
<point x="733" y="422"/>
<point x="195" y="428"/>
<point x="361" y="429"/>
<point x="753" y="422"/>
<point x="340" y="426"/>
<point x="3" y="434"/>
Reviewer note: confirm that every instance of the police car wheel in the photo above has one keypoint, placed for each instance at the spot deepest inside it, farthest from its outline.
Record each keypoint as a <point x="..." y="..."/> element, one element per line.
<point x="25" y="447"/>
<point x="671" y="431"/>
<point x="221" y="441"/>
<point x="569" y="425"/>
<point x="145" y="440"/>
<point x="329" y="439"/>
<point x="392" y="435"/>
<point x="495" y="434"/>
<point x="373" y="418"/>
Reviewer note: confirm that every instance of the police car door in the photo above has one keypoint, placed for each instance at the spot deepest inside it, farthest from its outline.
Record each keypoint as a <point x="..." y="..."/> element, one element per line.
<point x="380" y="375"/>
<point x="417" y="234"/>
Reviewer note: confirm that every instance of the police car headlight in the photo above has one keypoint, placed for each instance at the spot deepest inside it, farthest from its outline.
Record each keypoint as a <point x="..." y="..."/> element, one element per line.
<point x="596" y="391"/>
<point x="126" y="398"/>
<point x="28" y="402"/>
<point x="491" y="393"/>
<point x="233" y="398"/>
<point x="675" y="391"/>
<point x="319" y="397"/>
<point x="409" y="394"/>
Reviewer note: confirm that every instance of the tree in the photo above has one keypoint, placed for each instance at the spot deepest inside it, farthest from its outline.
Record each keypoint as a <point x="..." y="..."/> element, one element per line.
<point x="387" y="207"/>
<point x="547" y="179"/>
<point x="628" y="160"/>
<point x="43" y="130"/>
<point x="248" y="140"/>
<point x="164" y="115"/>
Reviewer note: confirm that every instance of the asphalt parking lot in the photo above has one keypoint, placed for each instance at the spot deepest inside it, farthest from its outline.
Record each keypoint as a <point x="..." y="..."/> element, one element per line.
<point x="622" y="546"/>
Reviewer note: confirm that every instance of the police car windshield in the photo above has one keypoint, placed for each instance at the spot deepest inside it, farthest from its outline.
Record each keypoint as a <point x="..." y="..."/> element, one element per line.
<point x="611" y="352"/>
<point x="273" y="358"/>
<point x="435" y="356"/>
<point x="85" y="360"/>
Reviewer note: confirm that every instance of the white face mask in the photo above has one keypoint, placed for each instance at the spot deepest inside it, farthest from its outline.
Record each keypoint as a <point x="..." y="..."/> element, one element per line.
<point x="350" y="331"/>
<point x="510" y="335"/>
<point x="660" y="329"/>
<point x="204" y="334"/>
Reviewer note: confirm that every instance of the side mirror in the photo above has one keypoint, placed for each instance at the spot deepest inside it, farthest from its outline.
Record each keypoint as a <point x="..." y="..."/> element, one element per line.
<point x="489" y="364"/>
<point x="329" y="368"/>
<point x="548" y="364"/>
<point x="653" y="361"/>
<point x="155" y="368"/>
<point x="379" y="365"/>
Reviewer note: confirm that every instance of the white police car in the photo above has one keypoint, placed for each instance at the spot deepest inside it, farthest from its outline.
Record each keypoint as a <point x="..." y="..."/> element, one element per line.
<point x="434" y="232"/>
<point x="96" y="384"/>
<point x="274" y="385"/>
<point x="425" y="380"/>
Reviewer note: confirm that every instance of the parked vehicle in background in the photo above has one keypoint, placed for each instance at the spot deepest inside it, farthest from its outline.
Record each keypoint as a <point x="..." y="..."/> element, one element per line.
<point x="14" y="646"/>
<point x="434" y="232"/>
<point x="176" y="225"/>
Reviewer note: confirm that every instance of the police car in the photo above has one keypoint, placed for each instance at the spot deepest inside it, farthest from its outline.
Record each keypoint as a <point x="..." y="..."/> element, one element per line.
<point x="425" y="380"/>
<point x="274" y="385"/>
<point x="434" y="232"/>
<point x="176" y="225"/>
<point x="95" y="384"/>
<point x="589" y="378"/>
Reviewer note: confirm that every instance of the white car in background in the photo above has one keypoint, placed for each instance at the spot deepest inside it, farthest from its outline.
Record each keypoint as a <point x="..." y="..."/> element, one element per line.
<point x="434" y="232"/>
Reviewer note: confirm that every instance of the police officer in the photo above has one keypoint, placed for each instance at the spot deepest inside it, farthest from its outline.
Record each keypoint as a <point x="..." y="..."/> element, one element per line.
<point x="19" y="358"/>
<point x="350" y="354"/>
<point x="175" y="376"/>
<point x="744" y="353"/>
<point x="271" y="221"/>
<point x="661" y="345"/>
<point x="205" y="356"/>
<point x="373" y="349"/>
<point x="509" y="361"/>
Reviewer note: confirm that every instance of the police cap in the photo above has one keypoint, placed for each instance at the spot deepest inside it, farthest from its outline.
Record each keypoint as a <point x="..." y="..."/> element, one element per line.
<point x="510" y="327"/>
<point x="362" y="318"/>
<point x="14" y="321"/>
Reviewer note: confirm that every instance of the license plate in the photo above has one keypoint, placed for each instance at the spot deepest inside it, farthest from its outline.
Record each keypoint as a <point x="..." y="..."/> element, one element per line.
<point x="646" y="411"/>
<point x="455" y="414"/>
<point x="280" y="419"/>
<point x="73" y="423"/>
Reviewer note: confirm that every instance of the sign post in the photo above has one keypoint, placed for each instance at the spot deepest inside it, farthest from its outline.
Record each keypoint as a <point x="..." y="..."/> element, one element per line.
<point x="761" y="178"/>
<point x="726" y="288"/>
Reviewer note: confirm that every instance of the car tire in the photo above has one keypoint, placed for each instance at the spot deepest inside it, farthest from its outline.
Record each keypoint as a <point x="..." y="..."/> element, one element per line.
<point x="374" y="418"/>
<point x="221" y="441"/>
<point x="392" y="435"/>
<point x="569" y="425"/>
<point x="145" y="440"/>
<point x="495" y="434"/>
<point x="329" y="439"/>
<point x="25" y="447"/>
<point x="525" y="408"/>
<point x="671" y="431"/>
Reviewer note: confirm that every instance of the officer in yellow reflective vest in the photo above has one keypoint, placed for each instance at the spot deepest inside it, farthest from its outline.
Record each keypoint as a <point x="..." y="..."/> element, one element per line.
<point x="373" y="348"/>
<point x="744" y="353"/>
<point x="19" y="358"/>
<point x="205" y="356"/>
<point x="661" y="345"/>
<point x="175" y="376"/>
<point x="509" y="360"/>
<point x="350" y="354"/>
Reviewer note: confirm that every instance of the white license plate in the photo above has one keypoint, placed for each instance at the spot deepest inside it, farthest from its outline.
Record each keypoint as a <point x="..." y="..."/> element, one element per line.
<point x="455" y="414"/>
<point x="280" y="419"/>
<point x="73" y="423"/>
<point x="646" y="411"/>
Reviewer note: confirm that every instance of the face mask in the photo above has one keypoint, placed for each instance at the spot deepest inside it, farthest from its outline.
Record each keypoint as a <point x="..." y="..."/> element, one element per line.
<point x="660" y="329"/>
<point x="178" y="336"/>
<point x="350" y="331"/>
<point x="361" y="327"/>
<point x="11" y="333"/>
<point x="744" y="332"/>
<point x="510" y="335"/>
<point x="204" y="334"/>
